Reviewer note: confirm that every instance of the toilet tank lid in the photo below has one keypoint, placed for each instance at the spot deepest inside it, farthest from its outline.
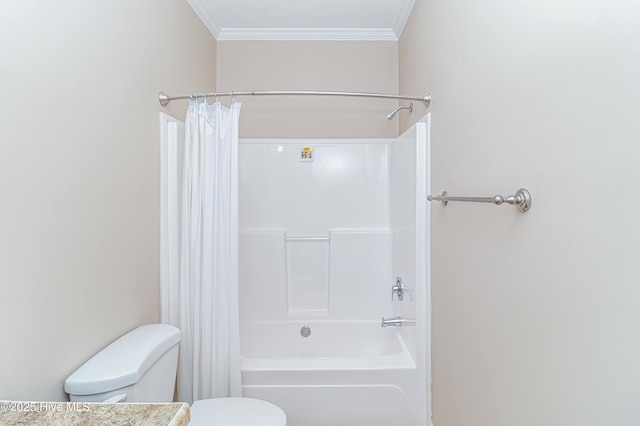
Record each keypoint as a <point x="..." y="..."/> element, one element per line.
<point x="124" y="361"/>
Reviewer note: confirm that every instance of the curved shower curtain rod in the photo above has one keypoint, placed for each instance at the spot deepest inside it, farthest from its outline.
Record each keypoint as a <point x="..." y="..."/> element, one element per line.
<point x="165" y="99"/>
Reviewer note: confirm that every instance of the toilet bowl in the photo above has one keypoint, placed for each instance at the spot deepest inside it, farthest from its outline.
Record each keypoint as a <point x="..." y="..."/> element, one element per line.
<point x="141" y="367"/>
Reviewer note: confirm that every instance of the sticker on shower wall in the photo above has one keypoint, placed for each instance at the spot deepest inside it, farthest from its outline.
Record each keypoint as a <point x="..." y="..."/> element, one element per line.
<point x="306" y="154"/>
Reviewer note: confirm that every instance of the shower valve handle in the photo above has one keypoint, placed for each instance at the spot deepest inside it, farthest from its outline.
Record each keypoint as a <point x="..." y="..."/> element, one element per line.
<point x="398" y="289"/>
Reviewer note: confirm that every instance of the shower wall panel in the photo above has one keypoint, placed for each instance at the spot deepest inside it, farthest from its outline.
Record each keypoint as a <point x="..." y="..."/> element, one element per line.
<point x="315" y="232"/>
<point x="403" y="159"/>
<point x="307" y="276"/>
<point x="361" y="274"/>
<point x="262" y="275"/>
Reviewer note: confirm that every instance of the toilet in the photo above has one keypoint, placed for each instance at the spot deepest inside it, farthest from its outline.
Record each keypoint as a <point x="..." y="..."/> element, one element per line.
<point x="141" y="367"/>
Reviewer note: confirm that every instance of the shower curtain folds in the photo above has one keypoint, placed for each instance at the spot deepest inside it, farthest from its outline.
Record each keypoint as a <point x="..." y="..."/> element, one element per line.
<point x="209" y="364"/>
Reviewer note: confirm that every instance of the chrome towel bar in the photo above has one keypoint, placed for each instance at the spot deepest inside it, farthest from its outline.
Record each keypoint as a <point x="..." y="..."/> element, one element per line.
<point x="521" y="199"/>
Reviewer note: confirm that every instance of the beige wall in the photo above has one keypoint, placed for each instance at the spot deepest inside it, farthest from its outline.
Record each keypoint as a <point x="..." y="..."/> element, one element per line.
<point x="311" y="65"/>
<point x="79" y="175"/>
<point x="535" y="315"/>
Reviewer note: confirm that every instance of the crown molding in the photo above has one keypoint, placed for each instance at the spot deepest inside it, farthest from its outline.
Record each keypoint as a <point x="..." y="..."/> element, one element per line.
<point x="403" y="17"/>
<point x="206" y="17"/>
<point x="333" y="34"/>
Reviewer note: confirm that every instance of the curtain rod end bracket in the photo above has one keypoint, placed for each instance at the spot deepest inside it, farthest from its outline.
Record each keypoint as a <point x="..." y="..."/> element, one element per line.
<point x="163" y="98"/>
<point x="426" y="99"/>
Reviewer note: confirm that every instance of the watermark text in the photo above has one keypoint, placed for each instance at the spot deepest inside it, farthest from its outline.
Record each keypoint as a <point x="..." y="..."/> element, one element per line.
<point x="25" y="406"/>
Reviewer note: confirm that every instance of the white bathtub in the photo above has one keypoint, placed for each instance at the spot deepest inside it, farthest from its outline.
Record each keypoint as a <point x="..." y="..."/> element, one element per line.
<point x="346" y="373"/>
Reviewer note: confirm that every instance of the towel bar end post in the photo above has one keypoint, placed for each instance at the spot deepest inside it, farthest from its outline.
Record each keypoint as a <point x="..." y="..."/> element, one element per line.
<point x="442" y="198"/>
<point x="523" y="200"/>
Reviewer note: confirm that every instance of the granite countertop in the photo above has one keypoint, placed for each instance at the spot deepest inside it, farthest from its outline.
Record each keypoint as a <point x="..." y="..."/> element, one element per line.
<point x="88" y="413"/>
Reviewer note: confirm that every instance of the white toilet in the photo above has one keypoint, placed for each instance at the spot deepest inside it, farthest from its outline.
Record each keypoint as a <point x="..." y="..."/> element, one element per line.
<point x="141" y="367"/>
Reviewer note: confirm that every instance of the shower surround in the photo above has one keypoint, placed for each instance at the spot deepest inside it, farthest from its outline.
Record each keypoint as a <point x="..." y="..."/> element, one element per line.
<point x="326" y="226"/>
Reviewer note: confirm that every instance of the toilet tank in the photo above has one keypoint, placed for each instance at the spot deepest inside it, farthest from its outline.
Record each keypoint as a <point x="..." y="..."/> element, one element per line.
<point x="138" y="367"/>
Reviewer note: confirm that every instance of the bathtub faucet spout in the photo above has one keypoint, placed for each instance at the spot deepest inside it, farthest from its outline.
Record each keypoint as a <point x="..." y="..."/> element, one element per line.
<point x="397" y="321"/>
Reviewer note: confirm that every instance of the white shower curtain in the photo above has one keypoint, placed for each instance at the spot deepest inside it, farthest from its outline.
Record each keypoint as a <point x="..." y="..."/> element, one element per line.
<point x="209" y="364"/>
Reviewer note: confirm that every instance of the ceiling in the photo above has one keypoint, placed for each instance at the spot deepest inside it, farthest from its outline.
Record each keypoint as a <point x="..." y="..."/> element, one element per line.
<point x="304" y="19"/>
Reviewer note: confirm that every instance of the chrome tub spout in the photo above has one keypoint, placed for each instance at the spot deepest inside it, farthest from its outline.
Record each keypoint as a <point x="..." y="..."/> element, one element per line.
<point x="397" y="322"/>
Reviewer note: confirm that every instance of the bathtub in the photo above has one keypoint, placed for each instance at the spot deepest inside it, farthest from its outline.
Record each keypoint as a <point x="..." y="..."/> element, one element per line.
<point x="345" y="373"/>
